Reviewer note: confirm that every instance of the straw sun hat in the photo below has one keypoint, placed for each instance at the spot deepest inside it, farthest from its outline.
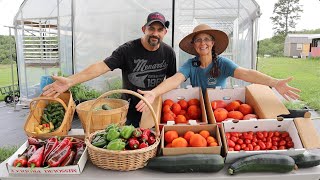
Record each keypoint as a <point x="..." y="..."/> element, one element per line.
<point x="221" y="39"/>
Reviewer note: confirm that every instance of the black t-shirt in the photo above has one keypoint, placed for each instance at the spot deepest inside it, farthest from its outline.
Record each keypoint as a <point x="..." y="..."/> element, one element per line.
<point x="142" y="69"/>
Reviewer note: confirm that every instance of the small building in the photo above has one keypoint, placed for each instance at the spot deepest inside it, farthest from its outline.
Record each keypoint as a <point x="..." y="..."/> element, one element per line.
<point x="302" y="45"/>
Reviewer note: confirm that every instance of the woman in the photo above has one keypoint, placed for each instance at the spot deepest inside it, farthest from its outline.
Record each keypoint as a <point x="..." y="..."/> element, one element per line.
<point x="208" y="70"/>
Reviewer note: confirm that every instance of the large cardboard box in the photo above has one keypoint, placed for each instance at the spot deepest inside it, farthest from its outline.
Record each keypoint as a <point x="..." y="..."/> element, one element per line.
<point x="181" y="129"/>
<point x="261" y="98"/>
<point x="72" y="169"/>
<point x="175" y="95"/>
<point x="301" y="130"/>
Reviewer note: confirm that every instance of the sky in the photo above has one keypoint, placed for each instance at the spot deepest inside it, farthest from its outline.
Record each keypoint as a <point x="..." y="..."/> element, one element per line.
<point x="309" y="17"/>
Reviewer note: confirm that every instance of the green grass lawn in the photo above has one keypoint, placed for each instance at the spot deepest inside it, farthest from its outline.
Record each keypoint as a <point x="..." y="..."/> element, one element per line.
<point x="6" y="77"/>
<point x="306" y="73"/>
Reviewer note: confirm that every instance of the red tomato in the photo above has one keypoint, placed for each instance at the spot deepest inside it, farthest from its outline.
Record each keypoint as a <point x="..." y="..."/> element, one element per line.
<point x="262" y="145"/>
<point x="275" y="138"/>
<point x="246" y="149"/>
<point x="250" y="133"/>
<point x="288" y="139"/>
<point x="247" y="141"/>
<point x="274" y="148"/>
<point x="264" y="139"/>
<point x="228" y="135"/>
<point x="237" y="147"/>
<point x="282" y="143"/>
<point x="243" y="146"/>
<point x="277" y="134"/>
<point x="268" y="145"/>
<point x="275" y="143"/>
<point x="290" y="144"/>
<point x="254" y="139"/>
<point x="265" y="134"/>
<point x="231" y="143"/>
<point x="269" y="139"/>
<point x="270" y="134"/>
<point x="248" y="136"/>
<point x="284" y="134"/>
<point x="234" y="139"/>
<point x="240" y="141"/>
<point x="281" y="147"/>
<point x="250" y="146"/>
<point x="236" y="134"/>
<point x="230" y="149"/>
<point x="254" y="144"/>
<point x="260" y="135"/>
<point x="256" y="148"/>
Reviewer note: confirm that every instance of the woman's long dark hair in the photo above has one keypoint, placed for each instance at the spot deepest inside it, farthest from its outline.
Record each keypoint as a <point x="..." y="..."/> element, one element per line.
<point x="214" y="71"/>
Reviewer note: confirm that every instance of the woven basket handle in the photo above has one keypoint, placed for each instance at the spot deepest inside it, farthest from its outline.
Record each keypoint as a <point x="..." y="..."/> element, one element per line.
<point x="47" y="98"/>
<point x="127" y="92"/>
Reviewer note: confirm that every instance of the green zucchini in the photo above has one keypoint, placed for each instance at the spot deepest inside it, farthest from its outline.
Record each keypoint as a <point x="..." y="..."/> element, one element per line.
<point x="263" y="163"/>
<point x="307" y="160"/>
<point x="187" y="163"/>
<point x="106" y="107"/>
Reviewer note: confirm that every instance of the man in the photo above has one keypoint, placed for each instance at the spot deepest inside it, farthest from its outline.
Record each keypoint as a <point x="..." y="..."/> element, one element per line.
<point x="145" y="63"/>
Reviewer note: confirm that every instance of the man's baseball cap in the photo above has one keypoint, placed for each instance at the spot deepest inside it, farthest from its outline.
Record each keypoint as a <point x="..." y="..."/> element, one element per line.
<point x="157" y="17"/>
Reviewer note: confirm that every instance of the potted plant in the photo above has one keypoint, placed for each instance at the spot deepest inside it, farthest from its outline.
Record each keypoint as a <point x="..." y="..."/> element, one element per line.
<point x="296" y="109"/>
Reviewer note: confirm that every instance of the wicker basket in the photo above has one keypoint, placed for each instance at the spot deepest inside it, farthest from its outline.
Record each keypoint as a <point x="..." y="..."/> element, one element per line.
<point x="101" y="119"/>
<point x="37" y="106"/>
<point x="121" y="160"/>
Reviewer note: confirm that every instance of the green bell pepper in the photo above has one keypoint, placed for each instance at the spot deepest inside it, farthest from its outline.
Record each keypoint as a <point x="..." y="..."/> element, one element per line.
<point x="113" y="134"/>
<point x="126" y="131"/>
<point x="112" y="126"/>
<point x="116" y="144"/>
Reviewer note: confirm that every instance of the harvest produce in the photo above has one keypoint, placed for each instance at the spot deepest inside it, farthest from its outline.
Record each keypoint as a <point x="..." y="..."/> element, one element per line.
<point x="189" y="139"/>
<point x="187" y="163"/>
<point x="263" y="163"/>
<point x="180" y="112"/>
<point x="307" y="160"/>
<point x="123" y="138"/>
<point x="51" y="152"/>
<point x="234" y="110"/>
<point x="260" y="140"/>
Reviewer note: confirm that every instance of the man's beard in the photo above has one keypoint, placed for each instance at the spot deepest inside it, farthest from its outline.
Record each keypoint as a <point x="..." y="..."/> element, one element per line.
<point x="152" y="43"/>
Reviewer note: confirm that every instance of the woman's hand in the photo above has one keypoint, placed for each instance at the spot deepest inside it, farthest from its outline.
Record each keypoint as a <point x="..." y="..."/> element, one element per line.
<point x="285" y="90"/>
<point x="60" y="85"/>
<point x="149" y="96"/>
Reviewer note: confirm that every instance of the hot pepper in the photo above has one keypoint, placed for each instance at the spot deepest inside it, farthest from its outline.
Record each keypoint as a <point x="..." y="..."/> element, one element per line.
<point x="143" y="145"/>
<point x="34" y="141"/>
<point x="133" y="143"/>
<point x="137" y="133"/>
<point x="80" y="150"/>
<point x="36" y="159"/>
<point x="62" y="152"/>
<point x="67" y="161"/>
<point x="126" y="131"/>
<point x="52" y="143"/>
<point x="21" y="161"/>
<point x="151" y="139"/>
<point x="63" y="144"/>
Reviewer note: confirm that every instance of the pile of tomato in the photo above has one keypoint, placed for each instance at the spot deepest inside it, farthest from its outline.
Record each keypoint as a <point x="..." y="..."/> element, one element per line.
<point x="260" y="140"/>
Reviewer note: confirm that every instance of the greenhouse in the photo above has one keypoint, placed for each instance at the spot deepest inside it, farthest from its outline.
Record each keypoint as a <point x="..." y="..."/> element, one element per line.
<point x="66" y="36"/>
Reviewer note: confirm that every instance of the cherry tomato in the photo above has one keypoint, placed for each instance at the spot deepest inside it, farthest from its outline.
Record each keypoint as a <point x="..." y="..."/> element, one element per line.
<point x="247" y="141"/>
<point x="234" y="139"/>
<point x="284" y="134"/>
<point x="246" y="149"/>
<point x="275" y="138"/>
<point x="243" y="146"/>
<point x="269" y="139"/>
<point x="231" y="149"/>
<point x="254" y="139"/>
<point x="281" y="147"/>
<point x="240" y="141"/>
<point x="256" y="148"/>
<point x="231" y="143"/>
<point x="268" y="145"/>
<point x="248" y="136"/>
<point x="250" y="133"/>
<point x="236" y="134"/>
<point x="237" y="147"/>
<point x="288" y="138"/>
<point x="274" y="148"/>
<point x="275" y="143"/>
<point x="290" y="144"/>
<point x="250" y="146"/>
<point x="276" y="133"/>
<point x="282" y="143"/>
<point x="262" y="145"/>
<point x="270" y="134"/>
<point x="265" y="134"/>
<point x="228" y="135"/>
<point x="260" y="135"/>
<point x="254" y="144"/>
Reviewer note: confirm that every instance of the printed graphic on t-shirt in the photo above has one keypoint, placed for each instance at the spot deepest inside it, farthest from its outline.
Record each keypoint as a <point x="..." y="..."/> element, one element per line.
<point x="145" y="75"/>
<point x="212" y="81"/>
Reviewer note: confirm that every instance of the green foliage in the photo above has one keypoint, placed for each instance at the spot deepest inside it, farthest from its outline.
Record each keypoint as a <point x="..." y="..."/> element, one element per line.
<point x="82" y="92"/>
<point x="6" y="152"/>
<point x="115" y="84"/>
<point x="273" y="46"/>
<point x="286" y="13"/>
<point x="306" y="73"/>
<point x="7" y="42"/>
<point x="305" y="31"/>
<point x="294" y="105"/>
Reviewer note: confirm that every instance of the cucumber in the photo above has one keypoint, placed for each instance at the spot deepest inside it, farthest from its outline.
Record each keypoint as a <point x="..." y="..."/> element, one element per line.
<point x="307" y="160"/>
<point x="187" y="163"/>
<point x="263" y="163"/>
<point x="106" y="107"/>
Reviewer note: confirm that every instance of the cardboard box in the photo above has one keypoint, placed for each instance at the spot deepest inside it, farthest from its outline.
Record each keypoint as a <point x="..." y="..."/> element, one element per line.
<point x="73" y="169"/>
<point x="175" y="95"/>
<point x="261" y="98"/>
<point x="181" y="129"/>
<point x="298" y="134"/>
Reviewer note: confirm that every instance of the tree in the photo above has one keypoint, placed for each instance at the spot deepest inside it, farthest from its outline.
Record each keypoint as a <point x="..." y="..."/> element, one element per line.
<point x="286" y="14"/>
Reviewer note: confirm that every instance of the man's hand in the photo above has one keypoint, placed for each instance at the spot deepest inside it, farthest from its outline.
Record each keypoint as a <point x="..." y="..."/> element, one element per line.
<point x="285" y="90"/>
<point x="149" y="96"/>
<point x="60" y="85"/>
